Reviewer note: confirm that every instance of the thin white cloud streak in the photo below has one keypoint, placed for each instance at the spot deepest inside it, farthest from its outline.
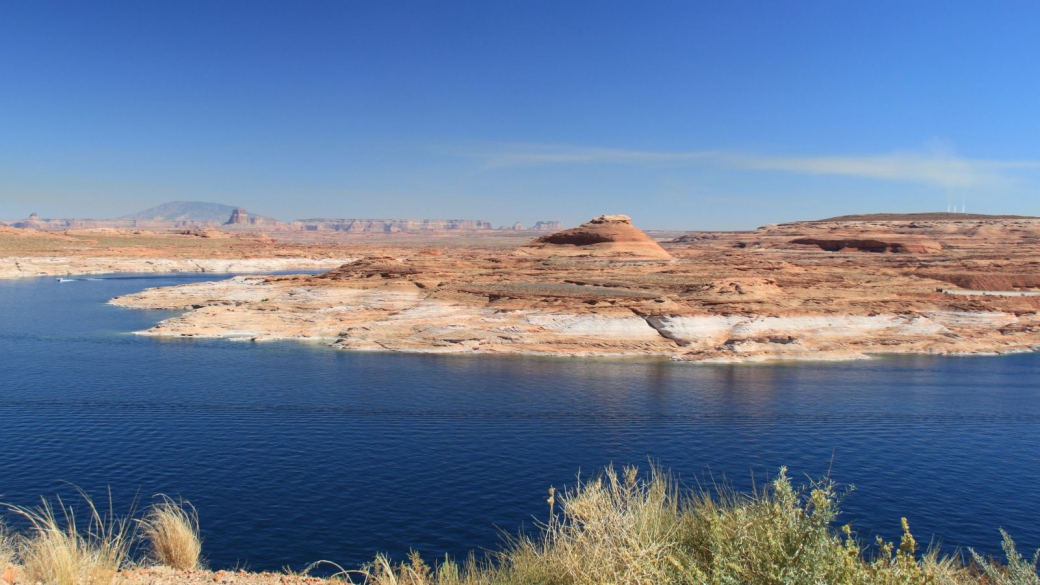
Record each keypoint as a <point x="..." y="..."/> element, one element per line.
<point x="904" y="167"/>
<point x="937" y="168"/>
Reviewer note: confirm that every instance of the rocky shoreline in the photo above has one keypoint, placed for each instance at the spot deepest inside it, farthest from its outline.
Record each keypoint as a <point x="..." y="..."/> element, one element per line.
<point x="400" y="319"/>
<point x="606" y="289"/>
<point x="841" y="289"/>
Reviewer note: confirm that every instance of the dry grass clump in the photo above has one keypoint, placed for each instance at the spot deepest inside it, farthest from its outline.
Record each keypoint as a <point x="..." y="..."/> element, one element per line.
<point x="171" y="529"/>
<point x="59" y="550"/>
<point x="621" y="528"/>
<point x="6" y="548"/>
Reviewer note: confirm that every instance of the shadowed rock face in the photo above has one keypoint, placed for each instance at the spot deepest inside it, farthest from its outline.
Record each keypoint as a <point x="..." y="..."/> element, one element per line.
<point x="985" y="280"/>
<point x="606" y="235"/>
<point x="897" y="245"/>
<point x="238" y="216"/>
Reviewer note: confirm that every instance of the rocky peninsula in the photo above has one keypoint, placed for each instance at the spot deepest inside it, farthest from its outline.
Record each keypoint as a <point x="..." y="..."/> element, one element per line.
<point x="839" y="289"/>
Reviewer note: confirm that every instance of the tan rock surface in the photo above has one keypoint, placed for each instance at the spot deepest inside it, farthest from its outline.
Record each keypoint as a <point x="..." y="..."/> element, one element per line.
<point x="733" y="297"/>
<point x="604" y="236"/>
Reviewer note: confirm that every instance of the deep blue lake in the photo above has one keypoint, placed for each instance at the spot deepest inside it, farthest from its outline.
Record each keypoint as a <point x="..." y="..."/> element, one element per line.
<point x="294" y="453"/>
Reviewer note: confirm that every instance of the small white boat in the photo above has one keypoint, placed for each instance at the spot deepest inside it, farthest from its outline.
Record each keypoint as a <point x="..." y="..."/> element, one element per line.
<point x="62" y="279"/>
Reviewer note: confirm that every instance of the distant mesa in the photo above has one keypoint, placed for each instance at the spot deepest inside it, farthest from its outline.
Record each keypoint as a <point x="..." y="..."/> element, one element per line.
<point x="604" y="236"/>
<point x="360" y="226"/>
<point x="548" y="226"/>
<point x="937" y="216"/>
<point x="539" y="226"/>
<point x="238" y="216"/>
<point x="392" y="226"/>
<point x="32" y="222"/>
<point x="196" y="215"/>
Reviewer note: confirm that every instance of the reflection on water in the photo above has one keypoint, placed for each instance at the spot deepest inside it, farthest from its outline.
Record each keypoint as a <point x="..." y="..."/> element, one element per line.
<point x="294" y="453"/>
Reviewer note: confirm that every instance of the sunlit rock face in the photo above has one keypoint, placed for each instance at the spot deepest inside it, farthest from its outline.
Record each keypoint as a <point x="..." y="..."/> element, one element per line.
<point x="605" y="288"/>
<point x="604" y="236"/>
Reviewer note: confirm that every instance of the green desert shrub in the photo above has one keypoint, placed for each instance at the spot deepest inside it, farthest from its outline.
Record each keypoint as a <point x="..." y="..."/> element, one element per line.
<point x="624" y="528"/>
<point x="1018" y="571"/>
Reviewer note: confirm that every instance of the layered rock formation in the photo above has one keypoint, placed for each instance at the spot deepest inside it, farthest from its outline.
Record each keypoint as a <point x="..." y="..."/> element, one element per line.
<point x="731" y="297"/>
<point x="604" y="236"/>
<point x="238" y="216"/>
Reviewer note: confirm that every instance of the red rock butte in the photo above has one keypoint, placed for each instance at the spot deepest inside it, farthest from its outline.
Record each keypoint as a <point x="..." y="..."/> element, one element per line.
<point x="611" y="236"/>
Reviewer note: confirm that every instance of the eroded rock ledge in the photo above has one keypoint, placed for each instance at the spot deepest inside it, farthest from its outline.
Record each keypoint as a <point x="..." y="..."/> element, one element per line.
<point x="618" y="295"/>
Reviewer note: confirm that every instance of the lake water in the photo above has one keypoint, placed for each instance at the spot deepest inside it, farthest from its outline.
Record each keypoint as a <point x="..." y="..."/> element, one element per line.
<point x="294" y="453"/>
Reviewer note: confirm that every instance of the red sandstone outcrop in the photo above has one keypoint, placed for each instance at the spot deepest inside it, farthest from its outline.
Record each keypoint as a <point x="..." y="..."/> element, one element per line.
<point x="604" y="236"/>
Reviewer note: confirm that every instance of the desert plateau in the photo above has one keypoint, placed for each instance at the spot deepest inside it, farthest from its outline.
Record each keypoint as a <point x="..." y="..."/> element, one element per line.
<point x="833" y="289"/>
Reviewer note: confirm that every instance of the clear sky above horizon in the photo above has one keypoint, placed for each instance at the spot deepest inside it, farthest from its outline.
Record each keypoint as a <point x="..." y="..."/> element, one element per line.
<point x="684" y="115"/>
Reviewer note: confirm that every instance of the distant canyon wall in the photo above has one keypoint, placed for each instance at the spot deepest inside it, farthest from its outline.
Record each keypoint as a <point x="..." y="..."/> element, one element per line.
<point x="388" y="225"/>
<point x="409" y="225"/>
<point x="241" y="219"/>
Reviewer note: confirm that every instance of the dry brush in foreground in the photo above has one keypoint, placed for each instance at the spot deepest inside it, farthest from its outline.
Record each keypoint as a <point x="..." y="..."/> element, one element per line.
<point x="625" y="529"/>
<point x="59" y="549"/>
<point x="620" y="528"/>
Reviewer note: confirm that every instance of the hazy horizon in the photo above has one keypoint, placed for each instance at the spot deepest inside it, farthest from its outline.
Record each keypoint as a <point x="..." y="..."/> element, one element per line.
<point x="681" y="115"/>
<point x="288" y="220"/>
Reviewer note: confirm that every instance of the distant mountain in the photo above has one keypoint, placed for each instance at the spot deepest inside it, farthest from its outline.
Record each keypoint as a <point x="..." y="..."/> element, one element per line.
<point x="197" y="211"/>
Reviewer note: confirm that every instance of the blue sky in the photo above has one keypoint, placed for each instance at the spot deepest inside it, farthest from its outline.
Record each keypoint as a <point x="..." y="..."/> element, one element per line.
<point x="684" y="115"/>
